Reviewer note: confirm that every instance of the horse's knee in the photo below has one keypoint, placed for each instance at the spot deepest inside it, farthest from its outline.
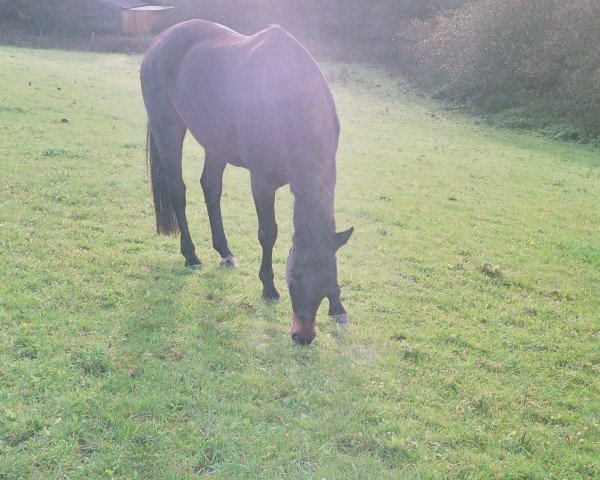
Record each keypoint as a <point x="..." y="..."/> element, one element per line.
<point x="266" y="275"/>
<point x="267" y="237"/>
<point x="204" y="183"/>
<point x="211" y="185"/>
<point x="210" y="191"/>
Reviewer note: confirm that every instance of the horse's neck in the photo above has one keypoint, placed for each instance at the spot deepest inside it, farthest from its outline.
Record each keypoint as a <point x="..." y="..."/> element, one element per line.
<point x="314" y="221"/>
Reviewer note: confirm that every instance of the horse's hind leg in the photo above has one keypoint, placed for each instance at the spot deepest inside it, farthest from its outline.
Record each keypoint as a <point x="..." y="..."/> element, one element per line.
<point x="212" y="186"/>
<point x="264" y="200"/>
<point x="167" y="176"/>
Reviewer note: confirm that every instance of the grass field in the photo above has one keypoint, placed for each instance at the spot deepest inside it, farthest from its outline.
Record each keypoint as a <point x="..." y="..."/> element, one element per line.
<point x="472" y="281"/>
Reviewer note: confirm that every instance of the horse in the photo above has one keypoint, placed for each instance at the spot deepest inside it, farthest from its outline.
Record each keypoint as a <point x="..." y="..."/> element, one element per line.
<point x="262" y="103"/>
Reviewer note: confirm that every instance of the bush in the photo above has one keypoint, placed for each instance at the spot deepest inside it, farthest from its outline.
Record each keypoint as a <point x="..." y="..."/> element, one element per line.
<point x="506" y="54"/>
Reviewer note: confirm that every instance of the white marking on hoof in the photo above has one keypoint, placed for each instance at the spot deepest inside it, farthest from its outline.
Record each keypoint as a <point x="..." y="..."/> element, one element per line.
<point x="198" y="266"/>
<point x="230" y="262"/>
<point x="341" y="319"/>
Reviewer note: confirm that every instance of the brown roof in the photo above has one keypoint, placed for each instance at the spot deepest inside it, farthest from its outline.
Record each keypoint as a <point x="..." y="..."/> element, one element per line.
<point x="153" y="8"/>
<point x="126" y="4"/>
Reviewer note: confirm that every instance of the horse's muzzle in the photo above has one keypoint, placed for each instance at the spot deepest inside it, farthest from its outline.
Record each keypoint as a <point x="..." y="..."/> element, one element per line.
<point x="302" y="333"/>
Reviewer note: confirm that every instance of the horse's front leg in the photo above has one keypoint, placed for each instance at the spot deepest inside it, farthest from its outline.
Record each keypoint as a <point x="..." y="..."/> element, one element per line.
<point x="264" y="200"/>
<point x="336" y="309"/>
<point x="212" y="186"/>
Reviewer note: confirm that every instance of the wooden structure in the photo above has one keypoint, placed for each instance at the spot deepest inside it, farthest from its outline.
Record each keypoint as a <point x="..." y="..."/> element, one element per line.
<point x="144" y="20"/>
<point x="129" y="17"/>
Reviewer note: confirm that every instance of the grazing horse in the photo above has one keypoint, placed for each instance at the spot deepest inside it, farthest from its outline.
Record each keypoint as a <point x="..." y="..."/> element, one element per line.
<point x="262" y="103"/>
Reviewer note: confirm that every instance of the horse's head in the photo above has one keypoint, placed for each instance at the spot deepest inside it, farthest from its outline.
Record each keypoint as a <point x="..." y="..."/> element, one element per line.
<point x="311" y="274"/>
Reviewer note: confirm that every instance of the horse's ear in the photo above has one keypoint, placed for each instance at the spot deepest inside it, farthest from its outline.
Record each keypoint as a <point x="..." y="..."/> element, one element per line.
<point x="341" y="238"/>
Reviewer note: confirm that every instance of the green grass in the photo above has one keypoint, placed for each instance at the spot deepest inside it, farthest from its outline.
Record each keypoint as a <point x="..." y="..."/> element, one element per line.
<point x="472" y="282"/>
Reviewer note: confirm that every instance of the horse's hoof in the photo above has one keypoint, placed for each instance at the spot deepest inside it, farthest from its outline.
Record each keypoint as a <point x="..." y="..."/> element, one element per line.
<point x="195" y="266"/>
<point x="340" y="318"/>
<point x="270" y="296"/>
<point x="230" y="262"/>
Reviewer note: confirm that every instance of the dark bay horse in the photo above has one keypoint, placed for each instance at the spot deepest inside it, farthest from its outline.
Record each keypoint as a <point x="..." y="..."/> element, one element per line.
<point x="262" y="103"/>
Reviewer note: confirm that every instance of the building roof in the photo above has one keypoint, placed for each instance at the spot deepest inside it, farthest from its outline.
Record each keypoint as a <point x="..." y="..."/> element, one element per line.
<point x="153" y="8"/>
<point x="125" y="4"/>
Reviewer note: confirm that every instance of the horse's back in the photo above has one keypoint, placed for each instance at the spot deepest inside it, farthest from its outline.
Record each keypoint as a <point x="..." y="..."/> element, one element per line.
<point x="284" y="107"/>
<point x="249" y="98"/>
<point x="171" y="45"/>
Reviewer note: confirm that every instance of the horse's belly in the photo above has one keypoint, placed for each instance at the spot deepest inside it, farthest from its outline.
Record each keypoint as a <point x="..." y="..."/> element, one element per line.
<point x="214" y="132"/>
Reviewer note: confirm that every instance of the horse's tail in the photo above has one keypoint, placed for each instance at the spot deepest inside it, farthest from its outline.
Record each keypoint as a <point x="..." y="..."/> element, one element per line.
<point x="166" y="221"/>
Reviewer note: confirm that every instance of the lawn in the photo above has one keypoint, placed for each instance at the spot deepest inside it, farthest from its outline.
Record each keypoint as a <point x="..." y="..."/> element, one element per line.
<point x="472" y="281"/>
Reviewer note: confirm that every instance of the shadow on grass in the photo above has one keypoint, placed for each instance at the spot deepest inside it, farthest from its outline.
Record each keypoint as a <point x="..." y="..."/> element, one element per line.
<point x="174" y="305"/>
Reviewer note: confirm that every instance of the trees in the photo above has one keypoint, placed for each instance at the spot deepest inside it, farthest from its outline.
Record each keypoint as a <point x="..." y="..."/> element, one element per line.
<point x="47" y="16"/>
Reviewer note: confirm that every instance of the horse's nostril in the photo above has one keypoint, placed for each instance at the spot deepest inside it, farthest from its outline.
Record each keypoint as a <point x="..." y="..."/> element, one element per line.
<point x="301" y="340"/>
<point x="302" y="333"/>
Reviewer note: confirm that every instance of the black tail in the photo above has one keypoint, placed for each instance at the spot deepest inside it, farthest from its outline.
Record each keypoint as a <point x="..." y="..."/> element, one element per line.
<point x="166" y="221"/>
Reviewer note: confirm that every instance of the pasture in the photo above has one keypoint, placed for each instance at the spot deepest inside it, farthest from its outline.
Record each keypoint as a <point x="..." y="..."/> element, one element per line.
<point x="472" y="283"/>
